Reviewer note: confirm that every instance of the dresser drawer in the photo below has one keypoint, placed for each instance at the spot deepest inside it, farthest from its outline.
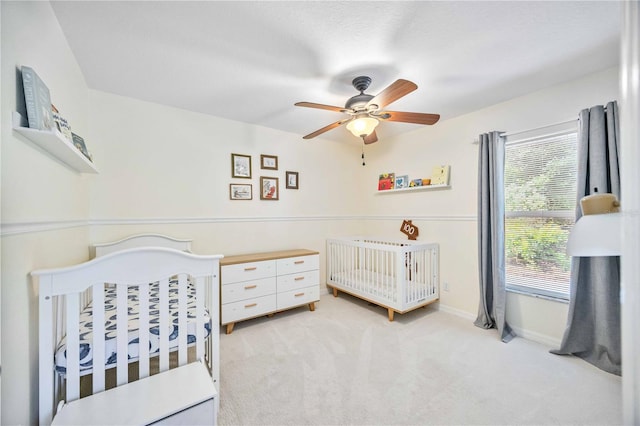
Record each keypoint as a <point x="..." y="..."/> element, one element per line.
<point x="297" y="297"/>
<point x="248" y="271"/>
<point x="248" y="289"/>
<point x="291" y="265"/>
<point x="232" y="312"/>
<point x="299" y="280"/>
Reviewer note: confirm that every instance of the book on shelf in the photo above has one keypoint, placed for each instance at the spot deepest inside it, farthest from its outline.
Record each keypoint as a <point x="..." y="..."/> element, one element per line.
<point x="386" y="181"/>
<point x="61" y="123"/>
<point x="440" y="175"/>
<point x="78" y="142"/>
<point x="37" y="100"/>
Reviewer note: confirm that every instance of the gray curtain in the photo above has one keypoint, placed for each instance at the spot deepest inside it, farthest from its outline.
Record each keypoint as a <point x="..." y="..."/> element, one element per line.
<point x="491" y="257"/>
<point x="593" y="323"/>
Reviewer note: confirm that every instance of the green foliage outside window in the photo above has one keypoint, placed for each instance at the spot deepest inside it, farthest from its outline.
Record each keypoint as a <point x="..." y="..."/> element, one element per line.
<point x="537" y="242"/>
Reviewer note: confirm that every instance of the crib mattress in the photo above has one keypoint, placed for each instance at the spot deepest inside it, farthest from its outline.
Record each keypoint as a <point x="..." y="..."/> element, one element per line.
<point x="377" y="284"/>
<point x="86" y="331"/>
<point x="371" y="282"/>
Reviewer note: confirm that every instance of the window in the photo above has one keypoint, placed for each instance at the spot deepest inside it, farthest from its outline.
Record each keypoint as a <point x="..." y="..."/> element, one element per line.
<point x="540" y="202"/>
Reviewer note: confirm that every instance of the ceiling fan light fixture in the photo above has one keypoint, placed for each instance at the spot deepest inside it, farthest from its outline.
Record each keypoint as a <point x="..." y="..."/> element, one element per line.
<point x="362" y="126"/>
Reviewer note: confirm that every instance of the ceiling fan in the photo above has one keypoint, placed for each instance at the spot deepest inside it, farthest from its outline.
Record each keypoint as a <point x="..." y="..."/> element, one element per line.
<point x="366" y="111"/>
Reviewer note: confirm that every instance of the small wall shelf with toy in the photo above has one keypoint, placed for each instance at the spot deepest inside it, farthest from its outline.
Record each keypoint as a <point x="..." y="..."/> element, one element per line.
<point x="391" y="183"/>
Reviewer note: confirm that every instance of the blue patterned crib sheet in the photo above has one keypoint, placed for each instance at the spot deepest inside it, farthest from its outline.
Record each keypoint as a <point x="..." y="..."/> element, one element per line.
<point x="86" y="327"/>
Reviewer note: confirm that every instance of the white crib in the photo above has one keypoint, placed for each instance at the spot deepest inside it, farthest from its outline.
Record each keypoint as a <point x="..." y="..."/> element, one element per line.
<point x="400" y="275"/>
<point x="170" y="302"/>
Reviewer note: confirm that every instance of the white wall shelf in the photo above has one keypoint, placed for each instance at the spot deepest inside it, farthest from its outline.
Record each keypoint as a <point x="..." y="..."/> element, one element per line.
<point x="55" y="144"/>
<point x="415" y="188"/>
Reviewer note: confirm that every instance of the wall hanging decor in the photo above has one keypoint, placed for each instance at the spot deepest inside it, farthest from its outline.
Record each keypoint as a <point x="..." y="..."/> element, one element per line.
<point x="269" y="188"/>
<point x="409" y="229"/>
<point x="292" y="180"/>
<point x="240" y="191"/>
<point x="269" y="162"/>
<point x="241" y="166"/>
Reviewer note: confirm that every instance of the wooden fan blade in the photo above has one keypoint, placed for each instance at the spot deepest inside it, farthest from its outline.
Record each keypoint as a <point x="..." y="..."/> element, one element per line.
<point x="373" y="137"/>
<point x="410" y="117"/>
<point x="392" y="93"/>
<point x="320" y="106"/>
<point x="326" y="129"/>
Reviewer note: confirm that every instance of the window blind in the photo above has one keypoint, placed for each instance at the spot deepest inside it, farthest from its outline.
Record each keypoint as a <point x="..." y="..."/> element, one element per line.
<point x="540" y="202"/>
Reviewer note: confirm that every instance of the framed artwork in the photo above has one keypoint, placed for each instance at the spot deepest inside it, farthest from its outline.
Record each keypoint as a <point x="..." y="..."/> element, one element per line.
<point x="240" y="166"/>
<point x="269" y="188"/>
<point x="402" y="182"/>
<point x="268" y="162"/>
<point x="292" y="180"/>
<point x="240" y="191"/>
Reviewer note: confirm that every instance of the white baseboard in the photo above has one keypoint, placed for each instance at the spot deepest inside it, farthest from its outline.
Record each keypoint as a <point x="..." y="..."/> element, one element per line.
<point x="457" y="312"/>
<point x="550" y="341"/>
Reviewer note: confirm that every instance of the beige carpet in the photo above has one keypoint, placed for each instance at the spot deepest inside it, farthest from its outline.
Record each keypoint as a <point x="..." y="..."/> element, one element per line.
<point x="346" y="363"/>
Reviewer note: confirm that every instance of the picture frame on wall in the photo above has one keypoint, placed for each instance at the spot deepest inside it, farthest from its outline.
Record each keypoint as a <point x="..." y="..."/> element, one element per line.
<point x="241" y="166"/>
<point x="268" y="162"/>
<point x="240" y="191"/>
<point x="269" y="188"/>
<point x="292" y="180"/>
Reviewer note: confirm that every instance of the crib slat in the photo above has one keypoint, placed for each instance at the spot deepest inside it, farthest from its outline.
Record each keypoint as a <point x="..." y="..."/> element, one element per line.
<point x="212" y="286"/>
<point x="182" y="319"/>
<point x="143" y="331"/>
<point x="98" y="338"/>
<point x="163" y="313"/>
<point x="200" y="296"/>
<point x="122" y="338"/>
<point x="46" y="343"/>
<point x="73" y="347"/>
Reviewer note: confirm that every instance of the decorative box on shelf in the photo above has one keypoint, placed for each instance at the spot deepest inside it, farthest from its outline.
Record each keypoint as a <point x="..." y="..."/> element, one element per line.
<point x="54" y="143"/>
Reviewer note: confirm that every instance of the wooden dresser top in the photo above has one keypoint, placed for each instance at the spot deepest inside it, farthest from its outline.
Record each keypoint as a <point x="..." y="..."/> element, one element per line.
<point x="270" y="255"/>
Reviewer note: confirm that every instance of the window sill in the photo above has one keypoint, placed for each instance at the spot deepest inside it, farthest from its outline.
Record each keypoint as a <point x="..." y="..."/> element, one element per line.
<point x="538" y="296"/>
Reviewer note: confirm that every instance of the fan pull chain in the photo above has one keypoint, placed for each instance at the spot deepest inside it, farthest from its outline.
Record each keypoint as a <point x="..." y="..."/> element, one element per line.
<point x="363" y="163"/>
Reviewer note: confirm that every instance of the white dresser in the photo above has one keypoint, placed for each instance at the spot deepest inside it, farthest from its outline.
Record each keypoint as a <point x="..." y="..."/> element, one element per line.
<point x="265" y="283"/>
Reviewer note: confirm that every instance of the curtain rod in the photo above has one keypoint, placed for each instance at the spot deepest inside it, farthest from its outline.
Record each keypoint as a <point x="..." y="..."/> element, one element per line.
<point x="507" y="134"/>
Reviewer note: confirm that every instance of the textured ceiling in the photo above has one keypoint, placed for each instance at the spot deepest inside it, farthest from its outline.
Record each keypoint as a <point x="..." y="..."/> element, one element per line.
<point x="251" y="61"/>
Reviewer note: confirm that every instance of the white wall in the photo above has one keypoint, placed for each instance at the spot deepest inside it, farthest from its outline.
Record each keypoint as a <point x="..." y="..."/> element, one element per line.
<point x="163" y="162"/>
<point x="164" y="169"/>
<point x="36" y="191"/>
<point x="449" y="216"/>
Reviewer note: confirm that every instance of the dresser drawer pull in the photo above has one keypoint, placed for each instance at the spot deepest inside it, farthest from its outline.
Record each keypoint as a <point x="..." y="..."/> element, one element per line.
<point x="298" y="262"/>
<point x="249" y="287"/>
<point x="250" y="305"/>
<point x="251" y="268"/>
<point x="298" y="278"/>
<point x="299" y="294"/>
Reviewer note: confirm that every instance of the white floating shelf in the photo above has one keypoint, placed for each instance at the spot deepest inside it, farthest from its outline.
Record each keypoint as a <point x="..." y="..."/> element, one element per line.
<point x="56" y="145"/>
<point x="414" y="188"/>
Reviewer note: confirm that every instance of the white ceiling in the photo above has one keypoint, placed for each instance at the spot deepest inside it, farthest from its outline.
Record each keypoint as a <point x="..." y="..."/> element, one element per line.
<point x="252" y="60"/>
